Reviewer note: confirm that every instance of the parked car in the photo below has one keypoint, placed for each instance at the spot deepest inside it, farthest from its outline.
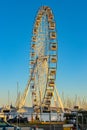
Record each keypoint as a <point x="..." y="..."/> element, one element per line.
<point x="5" y="125"/>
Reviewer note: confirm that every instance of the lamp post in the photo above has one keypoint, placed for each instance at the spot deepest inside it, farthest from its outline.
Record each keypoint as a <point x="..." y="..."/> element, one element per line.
<point x="81" y="115"/>
<point x="82" y="121"/>
<point x="77" y="120"/>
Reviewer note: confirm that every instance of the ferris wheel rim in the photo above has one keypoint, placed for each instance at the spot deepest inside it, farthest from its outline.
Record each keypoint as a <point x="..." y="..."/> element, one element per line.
<point x="49" y="14"/>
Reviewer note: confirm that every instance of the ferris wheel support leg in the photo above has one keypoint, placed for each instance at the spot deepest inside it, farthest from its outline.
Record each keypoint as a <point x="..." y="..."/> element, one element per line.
<point x="59" y="99"/>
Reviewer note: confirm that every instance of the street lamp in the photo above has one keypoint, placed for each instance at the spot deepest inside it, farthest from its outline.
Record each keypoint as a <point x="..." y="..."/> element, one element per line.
<point x="81" y="115"/>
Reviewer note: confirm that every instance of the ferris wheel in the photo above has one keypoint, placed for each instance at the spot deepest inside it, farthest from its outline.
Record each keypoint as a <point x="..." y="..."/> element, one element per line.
<point x="43" y="63"/>
<point x="43" y="59"/>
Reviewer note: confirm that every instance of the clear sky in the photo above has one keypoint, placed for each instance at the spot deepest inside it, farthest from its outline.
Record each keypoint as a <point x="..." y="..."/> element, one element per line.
<point x="16" y="24"/>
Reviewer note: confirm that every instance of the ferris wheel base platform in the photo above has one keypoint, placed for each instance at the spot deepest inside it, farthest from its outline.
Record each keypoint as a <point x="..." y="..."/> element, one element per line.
<point x="51" y="126"/>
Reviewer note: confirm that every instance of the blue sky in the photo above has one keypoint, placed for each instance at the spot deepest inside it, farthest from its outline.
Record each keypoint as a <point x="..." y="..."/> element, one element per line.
<point x="16" y="24"/>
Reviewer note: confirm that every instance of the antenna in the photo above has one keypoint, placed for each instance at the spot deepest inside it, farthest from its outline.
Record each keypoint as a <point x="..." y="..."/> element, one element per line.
<point x="17" y="88"/>
<point x="8" y="97"/>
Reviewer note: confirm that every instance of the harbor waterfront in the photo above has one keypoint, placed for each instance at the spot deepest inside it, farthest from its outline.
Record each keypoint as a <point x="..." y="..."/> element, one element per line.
<point x="27" y="118"/>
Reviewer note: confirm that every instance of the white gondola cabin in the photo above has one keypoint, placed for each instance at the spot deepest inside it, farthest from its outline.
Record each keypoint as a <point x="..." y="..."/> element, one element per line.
<point x="53" y="35"/>
<point x="35" y="31"/>
<point x="32" y="54"/>
<point x="53" y="47"/>
<point x="32" y="78"/>
<point x="32" y="62"/>
<point x="52" y="25"/>
<point x="53" y="59"/>
<point x="33" y="46"/>
<point x="47" y="102"/>
<point x="34" y="38"/>
<point x="38" y="19"/>
<point x="50" y="94"/>
<point x="37" y="24"/>
<point x="52" y="72"/>
<point x="50" y="17"/>
<point x="51" y="84"/>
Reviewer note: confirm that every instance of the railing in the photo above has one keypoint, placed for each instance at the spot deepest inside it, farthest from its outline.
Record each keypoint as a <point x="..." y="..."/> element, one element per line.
<point x="41" y="117"/>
